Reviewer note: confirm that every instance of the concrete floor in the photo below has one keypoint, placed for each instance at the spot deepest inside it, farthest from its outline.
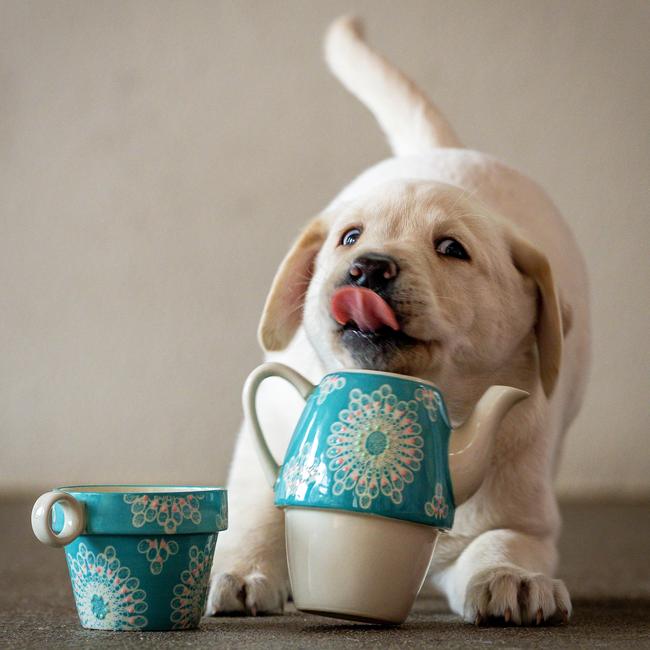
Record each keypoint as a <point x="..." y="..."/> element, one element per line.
<point x="605" y="563"/>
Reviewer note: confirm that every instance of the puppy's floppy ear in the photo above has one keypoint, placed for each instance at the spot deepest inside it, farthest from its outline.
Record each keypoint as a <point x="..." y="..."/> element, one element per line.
<point x="284" y="305"/>
<point x="548" y="327"/>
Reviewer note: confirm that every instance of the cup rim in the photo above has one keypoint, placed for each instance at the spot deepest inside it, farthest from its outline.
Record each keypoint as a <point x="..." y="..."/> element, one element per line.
<point x="135" y="488"/>
<point x="363" y="371"/>
<point x="361" y="513"/>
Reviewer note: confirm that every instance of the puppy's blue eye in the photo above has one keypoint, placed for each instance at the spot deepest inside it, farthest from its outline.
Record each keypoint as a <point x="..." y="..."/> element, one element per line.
<point x="451" y="248"/>
<point x="350" y="237"/>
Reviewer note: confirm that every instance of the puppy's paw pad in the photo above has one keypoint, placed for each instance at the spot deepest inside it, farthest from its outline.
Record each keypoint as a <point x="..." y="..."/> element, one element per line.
<point x="508" y="595"/>
<point x="252" y="594"/>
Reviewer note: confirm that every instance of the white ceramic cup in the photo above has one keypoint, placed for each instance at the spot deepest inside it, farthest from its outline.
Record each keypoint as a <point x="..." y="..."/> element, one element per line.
<point x="356" y="567"/>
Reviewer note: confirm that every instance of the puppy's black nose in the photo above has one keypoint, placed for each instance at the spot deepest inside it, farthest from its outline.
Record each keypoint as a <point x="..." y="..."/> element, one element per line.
<point x="373" y="271"/>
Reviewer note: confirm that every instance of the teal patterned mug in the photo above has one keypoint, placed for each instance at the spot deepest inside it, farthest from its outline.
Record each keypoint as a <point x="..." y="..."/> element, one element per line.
<point x="372" y="473"/>
<point x="139" y="556"/>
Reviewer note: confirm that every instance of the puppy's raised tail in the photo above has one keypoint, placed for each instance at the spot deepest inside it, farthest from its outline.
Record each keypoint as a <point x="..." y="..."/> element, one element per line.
<point x="412" y="124"/>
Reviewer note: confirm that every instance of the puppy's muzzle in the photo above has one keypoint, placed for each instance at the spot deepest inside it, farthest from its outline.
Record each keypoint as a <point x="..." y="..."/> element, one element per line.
<point x="373" y="271"/>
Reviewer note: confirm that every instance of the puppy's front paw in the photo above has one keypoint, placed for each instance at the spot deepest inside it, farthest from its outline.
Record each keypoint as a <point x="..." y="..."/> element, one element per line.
<point x="251" y="593"/>
<point x="512" y="595"/>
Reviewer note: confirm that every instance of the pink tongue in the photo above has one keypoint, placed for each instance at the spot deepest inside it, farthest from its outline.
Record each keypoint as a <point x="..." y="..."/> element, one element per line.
<point x="363" y="306"/>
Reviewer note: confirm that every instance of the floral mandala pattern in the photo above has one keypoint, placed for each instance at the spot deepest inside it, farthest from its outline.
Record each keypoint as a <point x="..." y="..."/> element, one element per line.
<point x="430" y="400"/>
<point x="438" y="508"/>
<point x="157" y="551"/>
<point x="107" y="596"/>
<point x="302" y="469"/>
<point x="329" y="385"/>
<point x="222" y="516"/>
<point x="190" y="594"/>
<point x="167" y="511"/>
<point x="375" y="447"/>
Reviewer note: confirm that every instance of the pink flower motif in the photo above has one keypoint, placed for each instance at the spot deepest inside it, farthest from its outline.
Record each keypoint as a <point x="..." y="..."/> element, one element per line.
<point x="157" y="552"/>
<point x="328" y="385"/>
<point x="190" y="594"/>
<point x="438" y="508"/>
<point x="165" y="510"/>
<point x="430" y="400"/>
<point x="103" y="601"/>
<point x="375" y="446"/>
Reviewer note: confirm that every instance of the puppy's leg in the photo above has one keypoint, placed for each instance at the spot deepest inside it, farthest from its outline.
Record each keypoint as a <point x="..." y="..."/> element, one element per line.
<point x="504" y="576"/>
<point x="249" y="574"/>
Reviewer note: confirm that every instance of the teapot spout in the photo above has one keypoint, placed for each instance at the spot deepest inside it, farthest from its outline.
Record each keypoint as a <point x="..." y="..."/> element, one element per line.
<point x="470" y="446"/>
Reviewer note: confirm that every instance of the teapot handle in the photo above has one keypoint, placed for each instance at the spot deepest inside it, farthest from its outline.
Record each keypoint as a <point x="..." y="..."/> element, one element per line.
<point x="302" y="385"/>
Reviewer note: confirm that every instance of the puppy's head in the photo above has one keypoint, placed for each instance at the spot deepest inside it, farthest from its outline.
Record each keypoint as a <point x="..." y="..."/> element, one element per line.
<point x="416" y="279"/>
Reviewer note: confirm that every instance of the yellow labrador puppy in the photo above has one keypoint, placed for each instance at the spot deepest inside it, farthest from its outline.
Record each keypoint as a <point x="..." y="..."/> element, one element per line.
<point x="446" y="264"/>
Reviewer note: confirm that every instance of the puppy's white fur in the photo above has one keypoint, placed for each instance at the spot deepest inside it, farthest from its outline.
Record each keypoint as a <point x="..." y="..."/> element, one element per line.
<point x="517" y="316"/>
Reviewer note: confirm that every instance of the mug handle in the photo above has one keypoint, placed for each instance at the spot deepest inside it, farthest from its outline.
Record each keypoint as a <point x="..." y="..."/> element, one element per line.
<point x="74" y="518"/>
<point x="302" y="385"/>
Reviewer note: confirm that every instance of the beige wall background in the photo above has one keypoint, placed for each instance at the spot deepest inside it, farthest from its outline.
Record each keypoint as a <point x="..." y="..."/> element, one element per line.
<point x="156" y="159"/>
